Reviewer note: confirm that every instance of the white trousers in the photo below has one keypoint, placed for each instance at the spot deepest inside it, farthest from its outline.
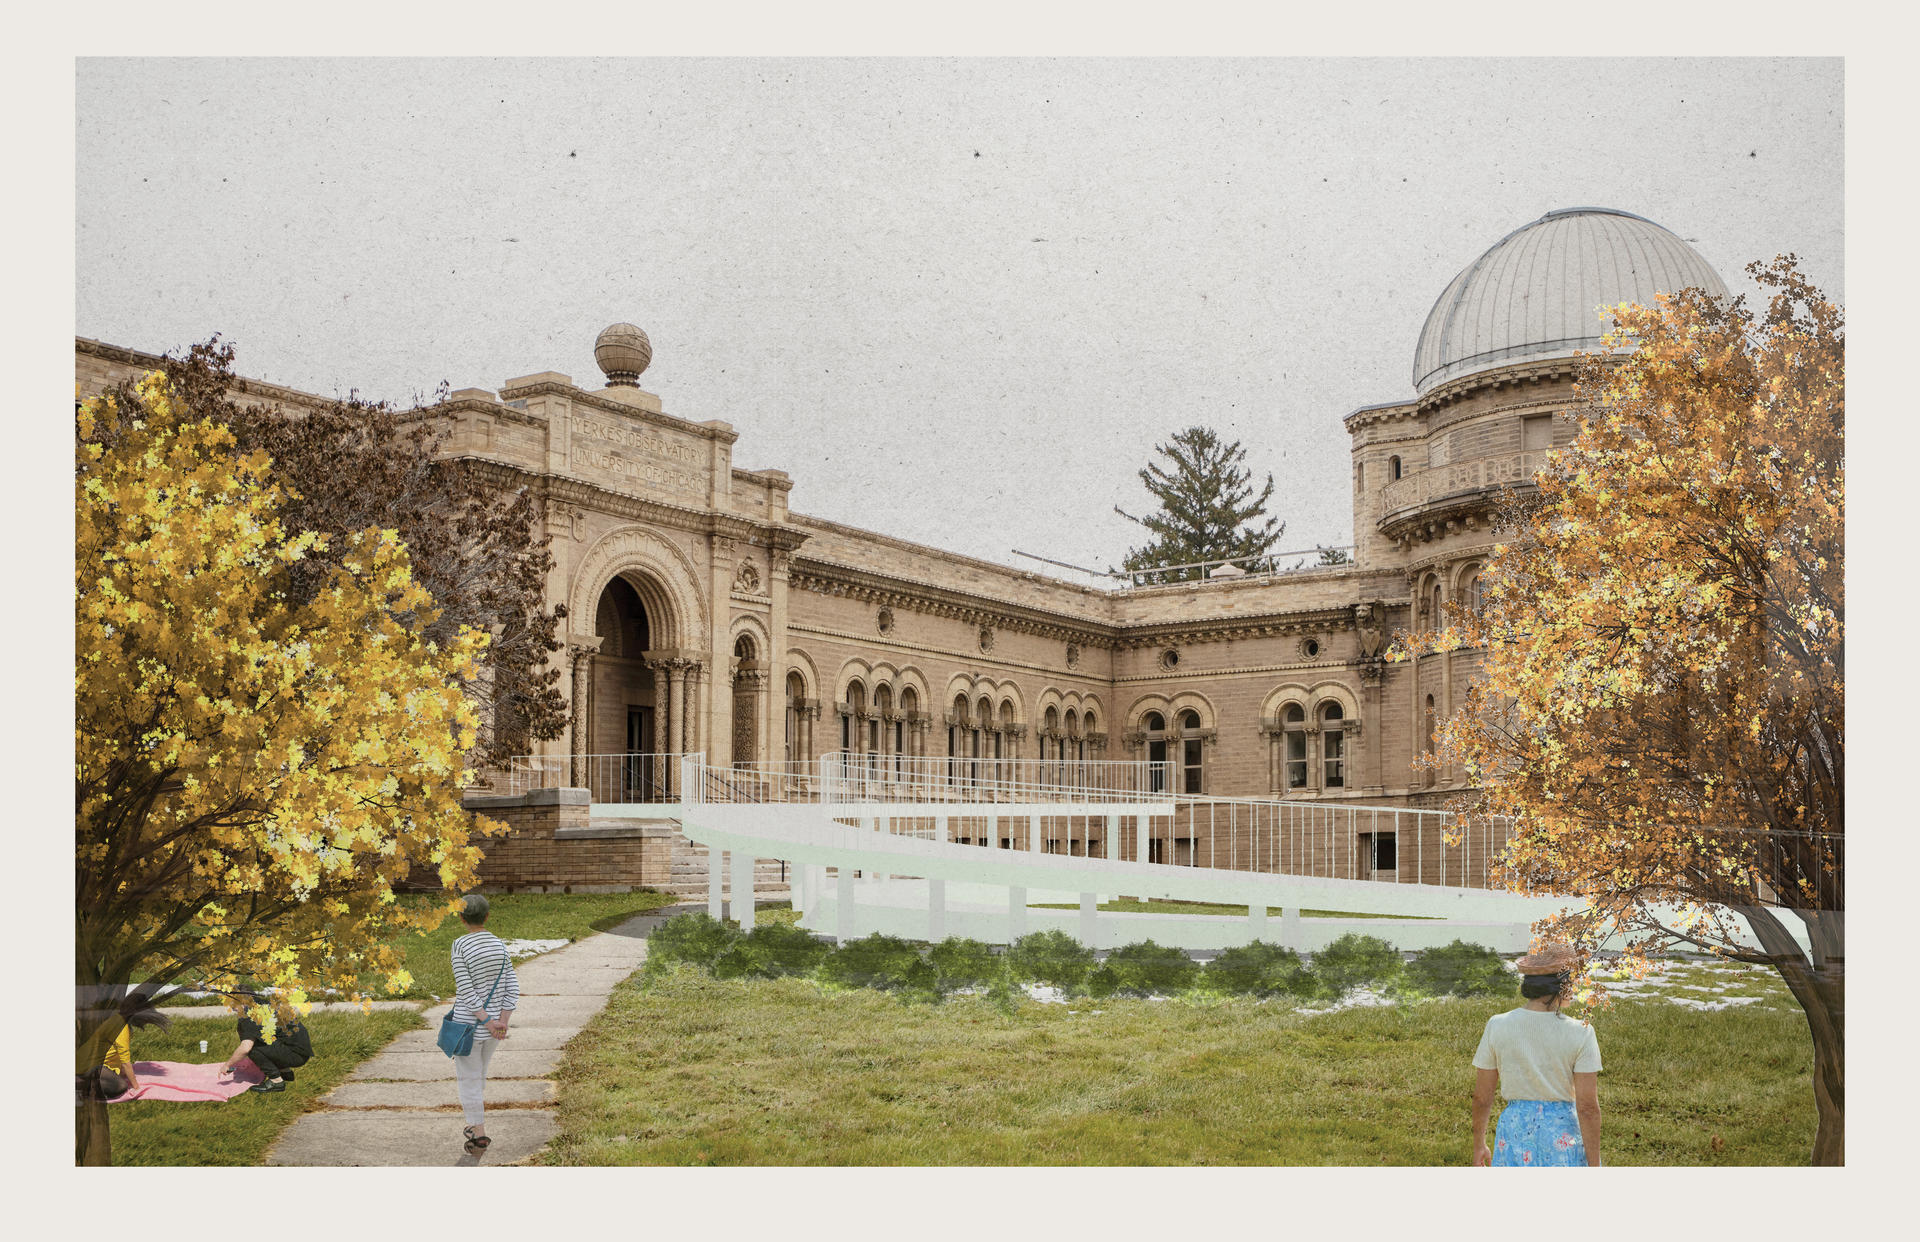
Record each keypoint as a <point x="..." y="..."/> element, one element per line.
<point x="471" y="1072"/>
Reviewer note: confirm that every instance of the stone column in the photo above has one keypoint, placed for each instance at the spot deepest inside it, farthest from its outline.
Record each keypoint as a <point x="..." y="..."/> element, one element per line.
<point x="667" y="778"/>
<point x="582" y="657"/>
<point x="676" y="697"/>
<point x="1371" y="676"/>
<point x="690" y="734"/>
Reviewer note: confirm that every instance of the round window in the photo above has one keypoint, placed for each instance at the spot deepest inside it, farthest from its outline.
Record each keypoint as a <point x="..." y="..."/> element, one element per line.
<point x="1312" y="648"/>
<point x="1169" y="658"/>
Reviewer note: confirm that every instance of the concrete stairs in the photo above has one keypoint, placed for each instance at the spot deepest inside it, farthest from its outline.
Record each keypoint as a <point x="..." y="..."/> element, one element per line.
<point x="687" y="876"/>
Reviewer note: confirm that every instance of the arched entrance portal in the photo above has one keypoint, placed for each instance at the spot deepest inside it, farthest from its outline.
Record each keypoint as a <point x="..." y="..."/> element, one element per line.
<point x="626" y="719"/>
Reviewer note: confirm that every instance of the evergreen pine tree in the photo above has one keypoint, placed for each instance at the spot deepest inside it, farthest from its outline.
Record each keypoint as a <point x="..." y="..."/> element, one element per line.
<point x="1208" y="510"/>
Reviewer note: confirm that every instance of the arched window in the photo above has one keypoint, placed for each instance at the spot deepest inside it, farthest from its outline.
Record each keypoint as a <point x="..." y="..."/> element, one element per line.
<point x="1476" y="593"/>
<point x="796" y="696"/>
<point x="1003" y="741"/>
<point x="1089" y="725"/>
<point x="850" y="738"/>
<point x="1155" y="727"/>
<point x="957" y="737"/>
<point x="1192" y="753"/>
<point x="1294" y="725"/>
<point x="1049" y="740"/>
<point x="1435" y="616"/>
<point x="1333" y="765"/>
<point x="982" y="727"/>
<point x="1393" y="469"/>
<point x="909" y="708"/>
<point x="879" y="729"/>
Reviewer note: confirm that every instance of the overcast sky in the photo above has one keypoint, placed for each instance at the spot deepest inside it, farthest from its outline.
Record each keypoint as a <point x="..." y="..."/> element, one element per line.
<point x="957" y="300"/>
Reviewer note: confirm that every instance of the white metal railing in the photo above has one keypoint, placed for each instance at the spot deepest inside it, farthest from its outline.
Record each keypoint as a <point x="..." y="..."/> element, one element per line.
<point x="1335" y="841"/>
<point x="851" y="777"/>
<point x="1322" y="557"/>
<point x="1307" y="839"/>
<point x="629" y="777"/>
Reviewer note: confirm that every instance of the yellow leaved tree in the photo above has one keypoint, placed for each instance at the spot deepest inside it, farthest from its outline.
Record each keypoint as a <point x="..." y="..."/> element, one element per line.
<point x="251" y="779"/>
<point x="1661" y="708"/>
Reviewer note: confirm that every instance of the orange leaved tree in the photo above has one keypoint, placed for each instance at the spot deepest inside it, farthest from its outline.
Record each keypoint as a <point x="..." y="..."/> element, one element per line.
<point x="252" y="776"/>
<point x="1662" y="705"/>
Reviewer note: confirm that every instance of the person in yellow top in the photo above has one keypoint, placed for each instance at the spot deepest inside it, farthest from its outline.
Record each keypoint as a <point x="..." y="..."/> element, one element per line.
<point x="119" y="1058"/>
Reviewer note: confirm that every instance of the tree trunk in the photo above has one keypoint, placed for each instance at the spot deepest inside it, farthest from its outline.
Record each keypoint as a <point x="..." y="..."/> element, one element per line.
<point x="1821" y="991"/>
<point x="1819" y="983"/>
<point x="91" y="1144"/>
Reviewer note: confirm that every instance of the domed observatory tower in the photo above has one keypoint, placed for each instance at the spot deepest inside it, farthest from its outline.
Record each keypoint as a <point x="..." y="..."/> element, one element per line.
<point x="1493" y="369"/>
<point x="1495" y="364"/>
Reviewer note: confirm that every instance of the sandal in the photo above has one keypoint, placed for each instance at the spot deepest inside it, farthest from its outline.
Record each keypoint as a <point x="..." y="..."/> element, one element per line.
<point x="476" y="1143"/>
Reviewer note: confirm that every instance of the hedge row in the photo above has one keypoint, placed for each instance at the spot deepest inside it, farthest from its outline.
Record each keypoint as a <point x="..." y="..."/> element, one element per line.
<point x="1055" y="959"/>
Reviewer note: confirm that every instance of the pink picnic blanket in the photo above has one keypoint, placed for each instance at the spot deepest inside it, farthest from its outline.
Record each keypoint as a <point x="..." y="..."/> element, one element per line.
<point x="182" y="1083"/>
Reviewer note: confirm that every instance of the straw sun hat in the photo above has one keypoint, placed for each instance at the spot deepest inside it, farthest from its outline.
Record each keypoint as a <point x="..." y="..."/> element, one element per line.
<point x="1549" y="959"/>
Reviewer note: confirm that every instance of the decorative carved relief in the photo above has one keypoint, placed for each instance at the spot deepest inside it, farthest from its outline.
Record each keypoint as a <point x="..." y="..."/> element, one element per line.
<point x="1073" y="655"/>
<point x="986" y="639"/>
<point x="746" y="579"/>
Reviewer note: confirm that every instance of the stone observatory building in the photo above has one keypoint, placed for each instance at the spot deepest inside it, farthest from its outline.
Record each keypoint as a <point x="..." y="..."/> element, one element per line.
<point x="708" y="616"/>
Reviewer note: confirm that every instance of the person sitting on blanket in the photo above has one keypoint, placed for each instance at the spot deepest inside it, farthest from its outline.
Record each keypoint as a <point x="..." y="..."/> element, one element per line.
<point x="291" y="1048"/>
<point x="114" y="1076"/>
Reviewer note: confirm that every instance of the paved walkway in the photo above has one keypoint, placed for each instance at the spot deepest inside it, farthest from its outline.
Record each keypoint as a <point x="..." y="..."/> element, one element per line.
<point x="400" y="1107"/>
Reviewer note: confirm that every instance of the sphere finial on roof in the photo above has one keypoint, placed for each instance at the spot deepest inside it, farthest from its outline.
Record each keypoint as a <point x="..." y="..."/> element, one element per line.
<point x="623" y="352"/>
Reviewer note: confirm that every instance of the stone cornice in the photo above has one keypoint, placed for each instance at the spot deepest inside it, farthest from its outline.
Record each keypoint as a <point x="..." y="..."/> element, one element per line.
<point x="776" y="479"/>
<point x="831" y="578"/>
<point x="551" y="388"/>
<point x="1380" y="415"/>
<point x="1448" y="516"/>
<point x="1234" y="629"/>
<point x="492" y="409"/>
<point x="566" y="490"/>
<point x="259" y="389"/>
<point x="1538" y="371"/>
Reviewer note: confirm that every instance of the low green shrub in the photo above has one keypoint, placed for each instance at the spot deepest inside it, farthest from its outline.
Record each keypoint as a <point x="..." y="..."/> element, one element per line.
<point x="962" y="963"/>
<point x="1257" y="969"/>
<point x="1143" y="969"/>
<point x="1052" y="958"/>
<point x="695" y="939"/>
<point x="1354" y="961"/>
<point x="878" y="961"/>
<point x="1460" y="969"/>
<point x="770" y="951"/>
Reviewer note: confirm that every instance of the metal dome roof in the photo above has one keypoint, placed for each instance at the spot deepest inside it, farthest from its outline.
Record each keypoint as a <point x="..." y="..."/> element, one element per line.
<point x="1536" y="292"/>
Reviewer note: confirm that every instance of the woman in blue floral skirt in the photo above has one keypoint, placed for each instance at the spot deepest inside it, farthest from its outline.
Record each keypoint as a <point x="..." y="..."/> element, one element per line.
<point x="1548" y="1067"/>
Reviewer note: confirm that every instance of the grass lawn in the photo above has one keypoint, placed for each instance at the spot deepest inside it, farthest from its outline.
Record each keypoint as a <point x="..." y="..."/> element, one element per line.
<point x="1160" y="905"/>
<point x="240" y="1130"/>
<point x="695" y="1071"/>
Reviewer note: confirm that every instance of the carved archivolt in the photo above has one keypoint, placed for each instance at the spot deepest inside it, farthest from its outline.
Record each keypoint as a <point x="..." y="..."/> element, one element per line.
<point x="664" y="575"/>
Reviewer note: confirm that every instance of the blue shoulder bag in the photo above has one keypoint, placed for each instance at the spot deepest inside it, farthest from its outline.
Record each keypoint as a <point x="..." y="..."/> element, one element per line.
<point x="456" y="1038"/>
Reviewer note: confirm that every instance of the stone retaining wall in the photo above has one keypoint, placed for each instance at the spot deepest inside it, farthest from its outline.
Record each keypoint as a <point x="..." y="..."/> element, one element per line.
<point x="556" y="848"/>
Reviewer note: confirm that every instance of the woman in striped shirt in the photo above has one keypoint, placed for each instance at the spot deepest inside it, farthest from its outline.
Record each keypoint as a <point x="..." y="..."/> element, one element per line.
<point x="481" y="967"/>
